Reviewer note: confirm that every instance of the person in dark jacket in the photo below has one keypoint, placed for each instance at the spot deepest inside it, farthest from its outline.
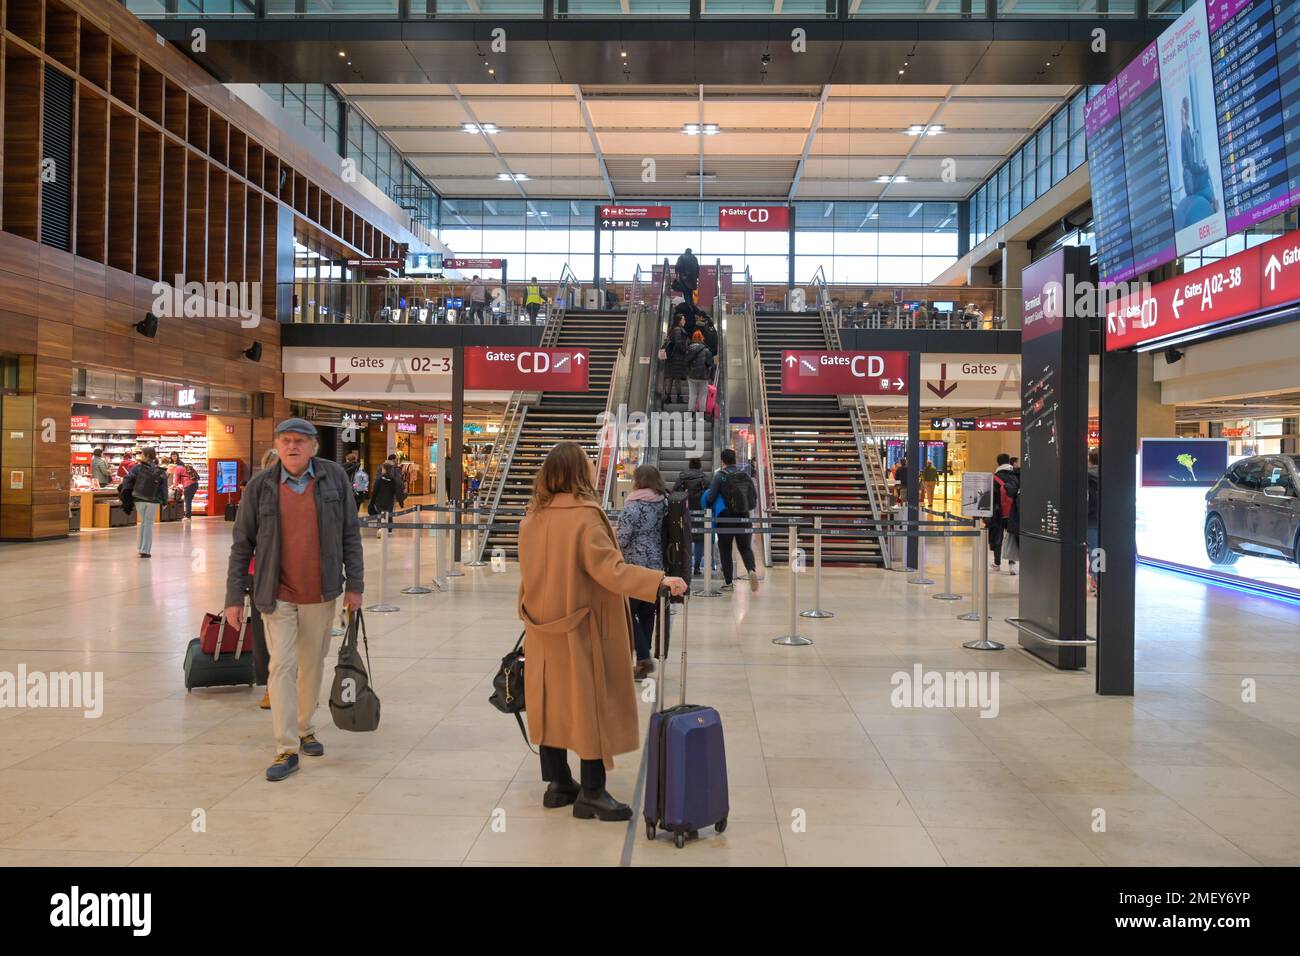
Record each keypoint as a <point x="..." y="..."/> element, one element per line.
<point x="295" y="517"/>
<point x="676" y="369"/>
<point x="688" y="275"/>
<point x="704" y="322"/>
<point x="640" y="538"/>
<point x="734" y="526"/>
<point x="694" y="482"/>
<point x="699" y="370"/>
<point x="387" y="495"/>
<point x="144" y="490"/>
<point x="1094" y="514"/>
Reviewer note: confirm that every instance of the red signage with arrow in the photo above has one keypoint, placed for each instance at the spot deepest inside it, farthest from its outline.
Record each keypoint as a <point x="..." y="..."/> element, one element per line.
<point x="526" y="369"/>
<point x="844" y="373"/>
<point x="334" y="383"/>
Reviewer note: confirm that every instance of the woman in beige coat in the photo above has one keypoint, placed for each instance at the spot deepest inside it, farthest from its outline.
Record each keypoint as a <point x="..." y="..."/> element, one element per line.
<point x="577" y="634"/>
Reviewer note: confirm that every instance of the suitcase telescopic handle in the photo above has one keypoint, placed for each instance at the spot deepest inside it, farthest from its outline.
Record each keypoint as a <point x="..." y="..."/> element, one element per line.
<point x="664" y="617"/>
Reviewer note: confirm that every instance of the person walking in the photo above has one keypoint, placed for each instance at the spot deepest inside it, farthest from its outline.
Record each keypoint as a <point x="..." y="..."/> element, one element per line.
<point x="640" y="538"/>
<point x="929" y="478"/>
<point x="900" y="479"/>
<point x="694" y="482"/>
<point x="676" y="370"/>
<point x="308" y="548"/>
<point x="699" y="372"/>
<point x="734" y="488"/>
<point x="144" y="490"/>
<point x="185" y="479"/>
<point x="127" y="463"/>
<point x="256" y="627"/>
<point x="573" y="588"/>
<point x="477" y="300"/>
<point x="1006" y="488"/>
<point x="533" y="300"/>
<point x="387" y="495"/>
<point x="99" y="469"/>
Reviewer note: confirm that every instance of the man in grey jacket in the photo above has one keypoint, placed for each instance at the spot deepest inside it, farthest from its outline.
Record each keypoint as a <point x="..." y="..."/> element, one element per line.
<point x="297" y="518"/>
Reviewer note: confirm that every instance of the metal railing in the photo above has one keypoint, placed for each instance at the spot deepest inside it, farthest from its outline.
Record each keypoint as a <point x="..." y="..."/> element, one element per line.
<point x="620" y="381"/>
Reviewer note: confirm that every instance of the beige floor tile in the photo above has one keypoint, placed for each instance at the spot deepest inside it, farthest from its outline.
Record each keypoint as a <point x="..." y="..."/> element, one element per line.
<point x="840" y="845"/>
<point x="84" y="755"/>
<point x="1008" y="810"/>
<point x="561" y="839"/>
<point x="1200" y="848"/>
<point x="843" y="807"/>
<point x="963" y="846"/>
<point x="742" y="844"/>
<point x="1121" y="813"/>
<point x="953" y="776"/>
<point x="462" y="765"/>
<point x="1186" y="782"/>
<point x="65" y="858"/>
<point x="121" y="829"/>
<point x="303" y="792"/>
<point x="864" y="773"/>
<point x="165" y="791"/>
<point x="1275" y="816"/>
<point x="385" y="836"/>
<point x="253" y="833"/>
<point x="55" y="788"/>
<point x="200" y="860"/>
<point x="1269" y="849"/>
<point x="435" y="797"/>
<point x="933" y="748"/>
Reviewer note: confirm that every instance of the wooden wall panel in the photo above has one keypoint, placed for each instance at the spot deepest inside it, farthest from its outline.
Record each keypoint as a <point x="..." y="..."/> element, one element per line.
<point x="218" y="183"/>
<point x="148" y="212"/>
<point x="173" y="211"/>
<point x="92" y="174"/>
<point x="122" y="190"/>
<point x="196" y="218"/>
<point x="235" y="231"/>
<point x="22" y="147"/>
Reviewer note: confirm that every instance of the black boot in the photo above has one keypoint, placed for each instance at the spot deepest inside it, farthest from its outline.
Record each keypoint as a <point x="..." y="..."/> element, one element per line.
<point x="599" y="803"/>
<point x="561" y="794"/>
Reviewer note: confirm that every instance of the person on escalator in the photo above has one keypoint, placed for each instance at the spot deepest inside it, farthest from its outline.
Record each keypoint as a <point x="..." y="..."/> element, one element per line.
<point x="704" y="322"/>
<point x="688" y="276"/>
<point x="699" y="370"/>
<point x="676" y="370"/>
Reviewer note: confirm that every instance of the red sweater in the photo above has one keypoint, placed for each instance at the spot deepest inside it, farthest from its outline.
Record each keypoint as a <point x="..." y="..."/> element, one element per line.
<point x="300" y="573"/>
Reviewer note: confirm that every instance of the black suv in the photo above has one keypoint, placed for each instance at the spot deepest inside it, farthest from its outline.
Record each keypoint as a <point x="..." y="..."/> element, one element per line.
<point x="1254" y="509"/>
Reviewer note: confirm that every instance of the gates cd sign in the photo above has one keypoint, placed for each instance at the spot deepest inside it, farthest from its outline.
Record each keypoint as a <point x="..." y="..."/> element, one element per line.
<point x="843" y="373"/>
<point x="526" y="369"/>
<point x="754" y="219"/>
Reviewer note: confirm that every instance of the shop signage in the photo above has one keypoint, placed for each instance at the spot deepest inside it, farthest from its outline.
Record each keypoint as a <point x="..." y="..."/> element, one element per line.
<point x="975" y="424"/>
<point x="526" y="369"/>
<point x="1223" y="292"/>
<point x="427" y="418"/>
<point x="1236" y="431"/>
<point x="754" y="219"/>
<point x="359" y="373"/>
<point x="634" y="217"/>
<point x="760" y="295"/>
<point x="843" y="373"/>
<point x="187" y="396"/>
<point x="472" y="263"/>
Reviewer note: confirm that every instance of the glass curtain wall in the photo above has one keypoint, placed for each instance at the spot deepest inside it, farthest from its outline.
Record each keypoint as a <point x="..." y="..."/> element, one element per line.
<point x="887" y="242"/>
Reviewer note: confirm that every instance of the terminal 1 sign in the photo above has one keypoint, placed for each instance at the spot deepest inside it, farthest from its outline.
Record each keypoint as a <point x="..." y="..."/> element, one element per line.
<point x="843" y="373"/>
<point x="1238" y="287"/>
<point x="526" y="369"/>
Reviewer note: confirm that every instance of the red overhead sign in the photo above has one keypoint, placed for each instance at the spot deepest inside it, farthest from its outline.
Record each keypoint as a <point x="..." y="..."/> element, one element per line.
<point x="754" y="219"/>
<point x="843" y="373"/>
<point x="1239" y="286"/>
<point x="526" y="369"/>
<point x="472" y="263"/>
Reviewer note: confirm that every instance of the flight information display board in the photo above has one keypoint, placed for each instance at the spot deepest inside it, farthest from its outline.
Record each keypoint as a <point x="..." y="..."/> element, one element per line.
<point x="1209" y="120"/>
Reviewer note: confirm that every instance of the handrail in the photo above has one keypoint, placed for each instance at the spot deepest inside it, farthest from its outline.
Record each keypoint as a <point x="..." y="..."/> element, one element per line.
<point x="619" y="382"/>
<point x="720" y="413"/>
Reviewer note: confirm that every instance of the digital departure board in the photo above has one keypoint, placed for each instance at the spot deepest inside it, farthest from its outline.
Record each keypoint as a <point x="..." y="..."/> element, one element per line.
<point x="1209" y="120"/>
<point x="1109" y="189"/>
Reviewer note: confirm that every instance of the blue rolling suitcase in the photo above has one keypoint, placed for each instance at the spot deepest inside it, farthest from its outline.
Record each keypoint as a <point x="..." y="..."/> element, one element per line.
<point x="686" y="776"/>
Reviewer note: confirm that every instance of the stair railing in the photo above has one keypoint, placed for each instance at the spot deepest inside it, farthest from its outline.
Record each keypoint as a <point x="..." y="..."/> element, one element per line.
<point x="620" y="378"/>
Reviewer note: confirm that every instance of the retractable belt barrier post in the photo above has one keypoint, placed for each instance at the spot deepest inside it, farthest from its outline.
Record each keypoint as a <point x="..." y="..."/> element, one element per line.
<point x="708" y="590"/>
<point x="920" y="559"/>
<point x="984" y="644"/>
<point x="794" y="638"/>
<point x="948" y="594"/>
<point x="817" y="611"/>
<point x="473" y="539"/>
<point x="978" y="547"/>
<point x="439" y="561"/>
<point x="386" y="532"/>
<point x="455" y="512"/>
<point x="416" y="587"/>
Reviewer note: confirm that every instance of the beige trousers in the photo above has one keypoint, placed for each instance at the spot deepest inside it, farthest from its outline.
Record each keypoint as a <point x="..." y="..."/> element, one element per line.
<point x="298" y="639"/>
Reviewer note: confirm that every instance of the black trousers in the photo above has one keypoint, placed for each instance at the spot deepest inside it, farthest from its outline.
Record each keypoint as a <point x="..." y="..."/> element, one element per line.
<point x="533" y="308"/>
<point x="744" y="542"/>
<point x="555" y="769"/>
<point x="997" y="528"/>
<point x="644" y="616"/>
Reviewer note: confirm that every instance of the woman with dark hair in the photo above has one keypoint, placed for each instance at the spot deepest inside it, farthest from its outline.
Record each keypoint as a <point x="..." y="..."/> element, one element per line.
<point x="573" y="592"/>
<point x="640" y="537"/>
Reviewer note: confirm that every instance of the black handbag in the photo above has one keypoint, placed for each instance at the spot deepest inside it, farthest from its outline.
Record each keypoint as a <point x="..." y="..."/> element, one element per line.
<point x="508" y="687"/>
<point x="354" y="705"/>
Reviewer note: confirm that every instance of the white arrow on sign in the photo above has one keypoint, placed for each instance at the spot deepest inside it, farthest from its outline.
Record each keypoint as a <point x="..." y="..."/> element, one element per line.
<point x="1271" y="270"/>
<point x="578" y="358"/>
<point x="1178" y="301"/>
<point x="899" y="384"/>
<point x="790" y="360"/>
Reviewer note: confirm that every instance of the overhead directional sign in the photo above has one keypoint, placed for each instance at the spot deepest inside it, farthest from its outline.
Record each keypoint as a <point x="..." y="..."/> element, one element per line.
<point x="347" y="373"/>
<point x="526" y="369"/>
<point x="634" y="217"/>
<point x="753" y="218"/>
<point x="843" y="373"/>
<point x="1219" y="294"/>
<point x="975" y="424"/>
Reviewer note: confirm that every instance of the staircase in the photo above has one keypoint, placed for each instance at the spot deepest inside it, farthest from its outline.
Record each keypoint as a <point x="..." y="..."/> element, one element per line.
<point x="674" y="458"/>
<point x="558" y="416"/>
<point x="816" y="467"/>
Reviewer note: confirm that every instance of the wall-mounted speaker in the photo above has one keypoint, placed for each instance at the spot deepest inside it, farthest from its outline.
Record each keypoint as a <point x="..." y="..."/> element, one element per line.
<point x="148" y="326"/>
<point x="254" y="352"/>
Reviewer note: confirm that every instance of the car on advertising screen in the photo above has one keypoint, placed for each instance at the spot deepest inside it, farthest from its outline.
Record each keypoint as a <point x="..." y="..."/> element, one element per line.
<point x="1254" y="509"/>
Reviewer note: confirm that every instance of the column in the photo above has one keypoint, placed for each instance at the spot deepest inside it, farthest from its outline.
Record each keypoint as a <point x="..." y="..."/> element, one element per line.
<point x="1015" y="256"/>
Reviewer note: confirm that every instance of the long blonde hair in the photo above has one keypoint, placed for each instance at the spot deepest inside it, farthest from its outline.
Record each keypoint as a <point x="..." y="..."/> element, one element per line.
<point x="269" y="458"/>
<point x="565" y="471"/>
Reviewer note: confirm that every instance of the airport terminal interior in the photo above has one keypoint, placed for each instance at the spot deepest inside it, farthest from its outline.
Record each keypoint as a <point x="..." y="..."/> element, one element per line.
<point x="939" y="357"/>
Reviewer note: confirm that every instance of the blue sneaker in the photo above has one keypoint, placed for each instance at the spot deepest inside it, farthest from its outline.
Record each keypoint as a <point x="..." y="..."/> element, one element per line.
<point x="284" y="765"/>
<point x="310" y="746"/>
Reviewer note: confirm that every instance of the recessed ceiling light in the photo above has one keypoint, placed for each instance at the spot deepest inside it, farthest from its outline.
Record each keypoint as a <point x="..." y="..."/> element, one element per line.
<point x="492" y="72"/>
<point x="901" y="72"/>
<point x="516" y="177"/>
<point x="341" y="53"/>
<point x="491" y="129"/>
<point x="918" y="129"/>
<point x="695" y="129"/>
<point x="891" y="179"/>
<point x="622" y="53"/>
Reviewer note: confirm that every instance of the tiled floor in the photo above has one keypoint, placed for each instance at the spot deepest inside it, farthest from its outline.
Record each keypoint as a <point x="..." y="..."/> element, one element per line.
<point x="823" y="768"/>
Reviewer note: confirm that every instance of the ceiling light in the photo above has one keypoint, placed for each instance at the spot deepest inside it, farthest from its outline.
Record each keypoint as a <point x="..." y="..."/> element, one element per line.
<point x="490" y="129"/>
<point x="917" y="129"/>
<point x="695" y="129"/>
<point x="516" y="177"/>
<point x="341" y="53"/>
<point x="901" y="72"/>
<point x="622" y="53"/>
<point x="891" y="179"/>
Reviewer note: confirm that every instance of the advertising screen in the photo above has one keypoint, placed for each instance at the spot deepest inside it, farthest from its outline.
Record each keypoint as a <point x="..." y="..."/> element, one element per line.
<point x="1183" y="462"/>
<point x="227" y="477"/>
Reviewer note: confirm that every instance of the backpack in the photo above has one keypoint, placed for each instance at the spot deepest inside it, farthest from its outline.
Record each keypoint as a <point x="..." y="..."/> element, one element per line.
<point x="738" y="492"/>
<point x="694" y="488"/>
<point x="1007" y="488"/>
<point x="699" y="358"/>
<point x="360" y="481"/>
<point x="676" y="536"/>
<point x="149" y="484"/>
